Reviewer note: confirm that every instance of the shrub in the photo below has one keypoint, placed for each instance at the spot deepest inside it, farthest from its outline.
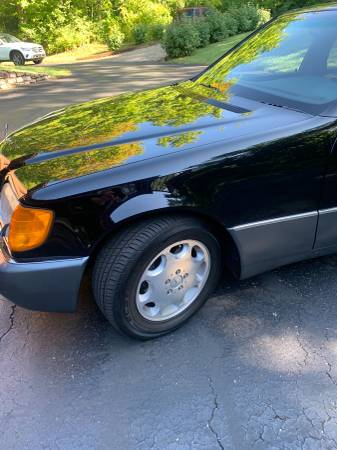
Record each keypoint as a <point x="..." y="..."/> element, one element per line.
<point x="217" y="26"/>
<point x="114" y="37"/>
<point x="146" y="12"/>
<point x="60" y="36"/>
<point x="247" y="17"/>
<point x="203" y="28"/>
<point x="181" y="39"/>
<point x="141" y="33"/>
<point x="264" y="15"/>
<point x="157" y="31"/>
<point x="78" y="33"/>
<point x="230" y="23"/>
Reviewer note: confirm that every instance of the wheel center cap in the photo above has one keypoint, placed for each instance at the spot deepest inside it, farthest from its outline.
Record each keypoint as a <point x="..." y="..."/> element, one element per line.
<point x="176" y="281"/>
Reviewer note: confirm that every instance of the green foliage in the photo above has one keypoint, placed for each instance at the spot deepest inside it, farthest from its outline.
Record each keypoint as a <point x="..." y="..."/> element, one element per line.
<point x="204" y="30"/>
<point x="141" y="33"/>
<point x="76" y="34"/>
<point x="157" y="31"/>
<point x="181" y="39"/>
<point x="231" y="23"/>
<point x="114" y="36"/>
<point x="264" y="16"/>
<point x="145" y="12"/>
<point x="265" y="41"/>
<point x="247" y="17"/>
<point x="217" y="26"/>
<point x="105" y="120"/>
<point x="66" y="24"/>
<point x="280" y="6"/>
<point x="207" y="55"/>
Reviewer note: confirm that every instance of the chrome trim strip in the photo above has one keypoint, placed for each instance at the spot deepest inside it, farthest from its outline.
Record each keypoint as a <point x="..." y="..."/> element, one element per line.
<point x="327" y="211"/>
<point x="276" y="220"/>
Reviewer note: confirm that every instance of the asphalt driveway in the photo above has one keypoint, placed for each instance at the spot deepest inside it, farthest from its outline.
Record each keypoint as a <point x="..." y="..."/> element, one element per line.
<point x="256" y="368"/>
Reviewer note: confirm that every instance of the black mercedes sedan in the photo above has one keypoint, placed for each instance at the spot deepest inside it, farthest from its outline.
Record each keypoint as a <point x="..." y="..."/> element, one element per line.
<point x="152" y="195"/>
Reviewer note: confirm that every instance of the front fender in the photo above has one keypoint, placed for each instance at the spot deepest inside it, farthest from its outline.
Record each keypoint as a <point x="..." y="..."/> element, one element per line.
<point x="141" y="204"/>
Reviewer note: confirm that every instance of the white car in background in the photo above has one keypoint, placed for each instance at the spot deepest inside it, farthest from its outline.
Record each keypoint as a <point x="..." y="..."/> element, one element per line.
<point x="12" y="49"/>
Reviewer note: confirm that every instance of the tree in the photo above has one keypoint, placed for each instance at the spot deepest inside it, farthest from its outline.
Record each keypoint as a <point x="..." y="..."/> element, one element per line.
<point x="279" y="6"/>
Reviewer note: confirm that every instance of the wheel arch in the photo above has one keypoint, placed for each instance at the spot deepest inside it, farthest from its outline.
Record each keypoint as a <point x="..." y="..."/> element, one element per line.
<point x="15" y="50"/>
<point x="228" y="246"/>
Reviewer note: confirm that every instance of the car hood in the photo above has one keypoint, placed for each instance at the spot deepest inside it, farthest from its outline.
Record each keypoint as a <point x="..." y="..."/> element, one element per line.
<point x="111" y="132"/>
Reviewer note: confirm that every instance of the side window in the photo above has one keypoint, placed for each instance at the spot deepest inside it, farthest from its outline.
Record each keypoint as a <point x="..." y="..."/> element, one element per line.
<point x="332" y="60"/>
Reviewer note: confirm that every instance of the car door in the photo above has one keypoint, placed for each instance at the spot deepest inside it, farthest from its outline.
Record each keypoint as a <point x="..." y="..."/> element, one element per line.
<point x="4" y="51"/>
<point x="327" y="224"/>
<point x="326" y="237"/>
<point x="274" y="206"/>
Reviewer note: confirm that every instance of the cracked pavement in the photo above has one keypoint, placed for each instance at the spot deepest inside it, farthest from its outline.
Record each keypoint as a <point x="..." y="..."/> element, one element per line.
<point x="256" y="368"/>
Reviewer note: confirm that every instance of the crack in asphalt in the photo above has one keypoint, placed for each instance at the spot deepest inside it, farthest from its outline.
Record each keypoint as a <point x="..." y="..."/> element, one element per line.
<point x="214" y="409"/>
<point x="324" y="439"/>
<point x="302" y="346"/>
<point x="11" y="323"/>
<point x="328" y="363"/>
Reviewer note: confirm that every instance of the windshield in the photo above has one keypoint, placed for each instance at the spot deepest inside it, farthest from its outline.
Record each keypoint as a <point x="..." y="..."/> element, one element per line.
<point x="7" y="38"/>
<point x="291" y="63"/>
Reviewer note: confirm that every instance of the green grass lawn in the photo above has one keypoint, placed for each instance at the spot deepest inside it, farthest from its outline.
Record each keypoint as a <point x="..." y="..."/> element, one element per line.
<point x="51" y="71"/>
<point x="88" y="52"/>
<point x="77" y="54"/>
<point x="209" y="54"/>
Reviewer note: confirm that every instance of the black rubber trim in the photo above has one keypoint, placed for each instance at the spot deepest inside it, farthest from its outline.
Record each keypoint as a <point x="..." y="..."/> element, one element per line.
<point x="213" y="102"/>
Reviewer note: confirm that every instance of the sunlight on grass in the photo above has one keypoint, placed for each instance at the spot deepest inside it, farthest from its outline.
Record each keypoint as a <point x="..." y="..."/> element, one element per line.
<point x="51" y="71"/>
<point x="209" y="54"/>
<point x="87" y="51"/>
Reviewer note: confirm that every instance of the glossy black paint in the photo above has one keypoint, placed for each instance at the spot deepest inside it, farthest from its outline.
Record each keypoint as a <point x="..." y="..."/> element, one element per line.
<point x="239" y="169"/>
<point x="102" y="164"/>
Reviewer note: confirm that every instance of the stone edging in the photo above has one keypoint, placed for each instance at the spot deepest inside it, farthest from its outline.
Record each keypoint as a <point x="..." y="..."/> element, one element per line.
<point x="10" y="80"/>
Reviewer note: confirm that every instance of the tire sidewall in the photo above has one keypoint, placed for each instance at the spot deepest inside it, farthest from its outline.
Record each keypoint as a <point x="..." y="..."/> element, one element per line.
<point x="125" y="308"/>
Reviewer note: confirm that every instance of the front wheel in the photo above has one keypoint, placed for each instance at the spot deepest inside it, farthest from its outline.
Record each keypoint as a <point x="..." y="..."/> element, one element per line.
<point x="154" y="276"/>
<point x="17" y="58"/>
<point x="37" y="61"/>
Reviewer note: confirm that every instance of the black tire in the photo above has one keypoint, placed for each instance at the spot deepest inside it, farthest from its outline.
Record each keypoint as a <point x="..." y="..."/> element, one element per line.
<point x="37" y="61"/>
<point x="17" y="58"/>
<point x="121" y="262"/>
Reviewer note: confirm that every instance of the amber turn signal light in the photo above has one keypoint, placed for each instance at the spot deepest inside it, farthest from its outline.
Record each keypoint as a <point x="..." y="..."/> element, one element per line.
<point x="29" y="228"/>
